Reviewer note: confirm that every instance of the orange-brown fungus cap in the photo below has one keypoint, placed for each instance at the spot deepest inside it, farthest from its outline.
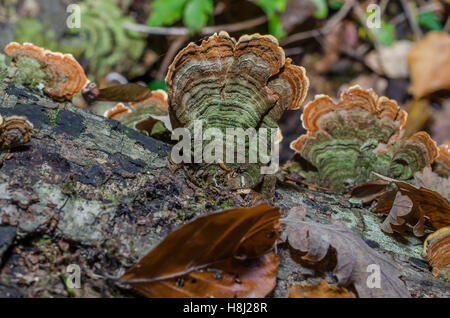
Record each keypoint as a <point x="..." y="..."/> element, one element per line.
<point x="360" y="133"/>
<point x="64" y="76"/>
<point x="159" y="97"/>
<point x="354" y="98"/>
<point x="14" y="131"/>
<point x="429" y="148"/>
<point x="436" y="250"/>
<point x="117" y="111"/>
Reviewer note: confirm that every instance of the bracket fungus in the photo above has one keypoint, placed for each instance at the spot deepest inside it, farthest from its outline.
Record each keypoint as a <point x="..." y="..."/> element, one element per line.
<point x="14" y="131"/>
<point x="361" y="133"/>
<point x="145" y="114"/>
<point x="224" y="84"/>
<point x="63" y="76"/>
<point x="436" y="250"/>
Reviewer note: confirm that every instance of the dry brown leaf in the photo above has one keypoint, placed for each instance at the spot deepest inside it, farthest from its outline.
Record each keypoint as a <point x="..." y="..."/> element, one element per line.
<point x="392" y="59"/>
<point x="319" y="290"/>
<point x="429" y="64"/>
<point x="441" y="123"/>
<point x="384" y="202"/>
<point x="124" y="93"/>
<point x="415" y="205"/>
<point x="224" y="254"/>
<point x="369" y="191"/>
<point x="396" y="220"/>
<point x="432" y="181"/>
<point x="353" y="256"/>
<point x="436" y="250"/>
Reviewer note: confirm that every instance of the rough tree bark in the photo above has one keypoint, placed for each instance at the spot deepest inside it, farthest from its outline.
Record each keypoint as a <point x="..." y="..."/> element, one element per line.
<point x="91" y="192"/>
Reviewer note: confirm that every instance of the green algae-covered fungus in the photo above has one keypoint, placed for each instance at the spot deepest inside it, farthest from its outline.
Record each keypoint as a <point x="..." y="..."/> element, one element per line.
<point x="223" y="84"/>
<point x="149" y="115"/>
<point x="442" y="164"/>
<point x="58" y="75"/>
<point x="362" y="133"/>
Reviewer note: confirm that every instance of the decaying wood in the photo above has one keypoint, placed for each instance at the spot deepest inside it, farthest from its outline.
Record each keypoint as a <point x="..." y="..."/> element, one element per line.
<point x="91" y="192"/>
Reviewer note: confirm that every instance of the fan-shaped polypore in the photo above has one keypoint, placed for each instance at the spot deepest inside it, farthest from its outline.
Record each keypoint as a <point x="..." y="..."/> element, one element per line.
<point x="64" y="77"/>
<point x="14" y="131"/>
<point x="436" y="250"/>
<point x="143" y="115"/>
<point x="223" y="83"/>
<point x="361" y="133"/>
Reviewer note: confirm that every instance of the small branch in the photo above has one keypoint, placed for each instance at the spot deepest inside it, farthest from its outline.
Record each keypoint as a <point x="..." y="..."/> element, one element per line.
<point x="330" y="25"/>
<point x="446" y="27"/>
<point x="383" y="5"/>
<point x="181" y="31"/>
<point x="411" y="19"/>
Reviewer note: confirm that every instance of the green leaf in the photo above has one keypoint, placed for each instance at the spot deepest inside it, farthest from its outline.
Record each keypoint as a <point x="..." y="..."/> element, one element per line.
<point x="196" y="14"/>
<point x="429" y="21"/>
<point x="165" y="12"/>
<point x="275" y="26"/>
<point x="321" y="9"/>
<point x="386" y="34"/>
<point x="335" y="4"/>
<point x="154" y="85"/>
<point x="271" y="8"/>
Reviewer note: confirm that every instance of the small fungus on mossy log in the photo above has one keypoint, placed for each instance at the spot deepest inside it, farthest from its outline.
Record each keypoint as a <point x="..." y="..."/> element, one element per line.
<point x="361" y="133"/>
<point x="145" y="114"/>
<point x="117" y="111"/>
<point x="63" y="76"/>
<point x="14" y="131"/>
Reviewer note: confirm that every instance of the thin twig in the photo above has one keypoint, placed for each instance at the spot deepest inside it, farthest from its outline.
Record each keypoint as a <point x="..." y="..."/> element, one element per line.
<point x="180" y="31"/>
<point x="330" y="25"/>
<point x="383" y="6"/>
<point x="412" y="19"/>
<point x="446" y="27"/>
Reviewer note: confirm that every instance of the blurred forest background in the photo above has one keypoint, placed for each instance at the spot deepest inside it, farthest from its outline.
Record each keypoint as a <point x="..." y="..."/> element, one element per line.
<point x="122" y="41"/>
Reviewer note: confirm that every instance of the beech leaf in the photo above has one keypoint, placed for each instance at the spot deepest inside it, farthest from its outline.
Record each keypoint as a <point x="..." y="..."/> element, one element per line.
<point x="225" y="254"/>
<point x="124" y="93"/>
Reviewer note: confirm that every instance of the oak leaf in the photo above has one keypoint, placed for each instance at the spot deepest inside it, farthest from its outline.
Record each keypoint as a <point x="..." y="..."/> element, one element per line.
<point x="416" y="205"/>
<point x="354" y="256"/>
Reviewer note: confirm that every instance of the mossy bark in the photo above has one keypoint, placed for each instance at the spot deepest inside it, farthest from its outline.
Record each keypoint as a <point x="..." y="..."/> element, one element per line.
<point x="91" y="192"/>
